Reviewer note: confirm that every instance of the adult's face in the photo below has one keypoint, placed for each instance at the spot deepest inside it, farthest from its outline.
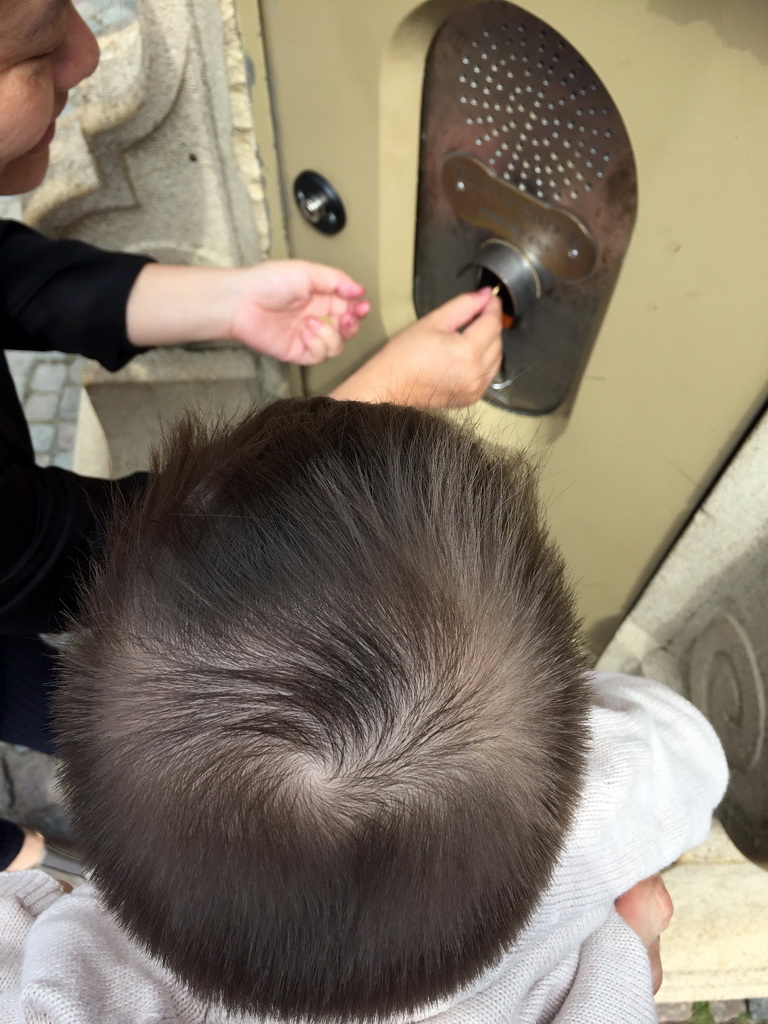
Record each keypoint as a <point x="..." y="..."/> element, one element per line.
<point x="45" y="49"/>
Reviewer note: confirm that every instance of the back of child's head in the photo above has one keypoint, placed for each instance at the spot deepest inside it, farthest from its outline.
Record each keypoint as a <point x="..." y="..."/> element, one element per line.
<point x="324" y="718"/>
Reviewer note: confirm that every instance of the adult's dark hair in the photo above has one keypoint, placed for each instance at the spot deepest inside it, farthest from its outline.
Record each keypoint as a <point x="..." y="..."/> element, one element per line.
<point x="323" y="719"/>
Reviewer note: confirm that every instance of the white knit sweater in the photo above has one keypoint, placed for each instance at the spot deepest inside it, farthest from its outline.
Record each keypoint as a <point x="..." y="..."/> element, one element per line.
<point x="656" y="773"/>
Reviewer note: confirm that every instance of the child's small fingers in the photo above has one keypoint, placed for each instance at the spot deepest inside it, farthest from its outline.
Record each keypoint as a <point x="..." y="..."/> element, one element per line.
<point x="492" y="338"/>
<point x="490" y="317"/>
<point x="463" y="311"/>
<point x="492" y="367"/>
<point x="495" y="353"/>
<point x="485" y="331"/>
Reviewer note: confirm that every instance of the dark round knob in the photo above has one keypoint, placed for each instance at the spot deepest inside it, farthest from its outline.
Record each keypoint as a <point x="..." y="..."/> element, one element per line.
<point x="319" y="203"/>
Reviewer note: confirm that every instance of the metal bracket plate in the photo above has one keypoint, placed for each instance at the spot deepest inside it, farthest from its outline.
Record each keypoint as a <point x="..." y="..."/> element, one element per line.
<point x="554" y="238"/>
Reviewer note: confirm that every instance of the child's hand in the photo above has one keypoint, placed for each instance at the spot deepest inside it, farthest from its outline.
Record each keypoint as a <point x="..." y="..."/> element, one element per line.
<point x="431" y="364"/>
<point x="647" y="908"/>
<point x="296" y="311"/>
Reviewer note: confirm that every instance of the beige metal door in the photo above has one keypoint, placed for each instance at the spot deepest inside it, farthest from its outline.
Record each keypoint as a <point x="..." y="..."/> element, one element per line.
<point x="680" y="364"/>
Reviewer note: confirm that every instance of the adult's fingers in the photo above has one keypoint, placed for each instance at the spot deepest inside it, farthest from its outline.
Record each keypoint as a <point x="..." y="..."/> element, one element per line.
<point x="349" y="318"/>
<point x="331" y="280"/>
<point x="348" y="325"/>
<point x="321" y="340"/>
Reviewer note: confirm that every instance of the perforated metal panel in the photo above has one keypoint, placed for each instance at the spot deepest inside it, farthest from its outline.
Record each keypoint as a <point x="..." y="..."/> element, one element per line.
<point x="522" y="142"/>
<point x="541" y="118"/>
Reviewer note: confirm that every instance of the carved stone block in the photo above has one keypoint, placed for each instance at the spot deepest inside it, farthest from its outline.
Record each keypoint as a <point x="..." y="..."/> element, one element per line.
<point x="700" y="627"/>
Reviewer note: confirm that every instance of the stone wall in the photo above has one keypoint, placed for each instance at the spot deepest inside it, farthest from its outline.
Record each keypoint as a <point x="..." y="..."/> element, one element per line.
<point x="700" y="628"/>
<point x="158" y="154"/>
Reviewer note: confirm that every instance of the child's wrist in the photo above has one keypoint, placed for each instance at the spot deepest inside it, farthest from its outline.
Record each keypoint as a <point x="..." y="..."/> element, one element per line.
<point x="371" y="383"/>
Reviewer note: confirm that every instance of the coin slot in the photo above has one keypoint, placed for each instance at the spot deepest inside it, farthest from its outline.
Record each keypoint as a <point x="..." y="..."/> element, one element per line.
<point x="504" y="268"/>
<point x="509" y="315"/>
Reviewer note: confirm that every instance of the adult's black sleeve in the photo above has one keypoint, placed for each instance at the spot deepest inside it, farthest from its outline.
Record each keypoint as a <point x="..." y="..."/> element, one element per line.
<point x="69" y="297"/>
<point x="53" y="528"/>
<point x="65" y="296"/>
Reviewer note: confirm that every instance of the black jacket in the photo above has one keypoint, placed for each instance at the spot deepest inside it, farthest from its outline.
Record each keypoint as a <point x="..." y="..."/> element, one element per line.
<point x="67" y="297"/>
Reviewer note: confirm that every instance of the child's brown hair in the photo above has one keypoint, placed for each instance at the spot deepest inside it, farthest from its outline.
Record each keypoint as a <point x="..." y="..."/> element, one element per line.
<point x="323" y="720"/>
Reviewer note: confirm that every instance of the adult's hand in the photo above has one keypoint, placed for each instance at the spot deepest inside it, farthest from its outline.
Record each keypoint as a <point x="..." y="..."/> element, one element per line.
<point x="296" y="311"/>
